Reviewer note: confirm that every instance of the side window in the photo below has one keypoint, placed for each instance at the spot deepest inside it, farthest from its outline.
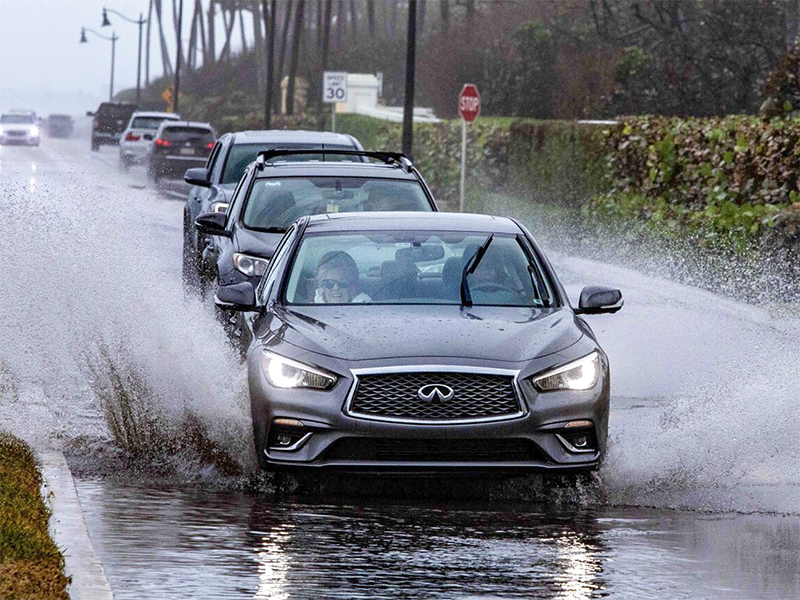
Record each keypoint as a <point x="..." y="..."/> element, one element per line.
<point x="237" y="196"/>
<point x="213" y="157"/>
<point x="276" y="264"/>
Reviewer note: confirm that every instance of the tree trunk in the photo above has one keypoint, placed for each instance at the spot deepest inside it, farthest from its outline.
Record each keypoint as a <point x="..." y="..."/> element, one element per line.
<point x="270" y="23"/>
<point x="353" y="20"/>
<point x="191" y="53"/>
<point x="326" y="34"/>
<point x="423" y="5"/>
<point x="166" y="64"/>
<point x="229" y="22"/>
<point x="211" y="49"/>
<point x="241" y="31"/>
<point x="444" y="7"/>
<point x="371" y="17"/>
<point x="298" y="32"/>
<point x="792" y="22"/>
<point x="341" y="22"/>
<point x="287" y="21"/>
<point x="202" y="29"/>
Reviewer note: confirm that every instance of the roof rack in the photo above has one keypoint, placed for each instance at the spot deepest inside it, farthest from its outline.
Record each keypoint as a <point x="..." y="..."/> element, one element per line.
<point x="390" y="158"/>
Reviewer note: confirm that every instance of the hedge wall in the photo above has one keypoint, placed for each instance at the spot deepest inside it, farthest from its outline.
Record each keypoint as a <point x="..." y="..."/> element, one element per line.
<point x="735" y="177"/>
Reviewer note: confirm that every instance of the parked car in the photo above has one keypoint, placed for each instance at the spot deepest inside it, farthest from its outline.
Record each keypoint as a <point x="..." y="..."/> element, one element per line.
<point x="139" y="134"/>
<point x="214" y="184"/>
<point x="19" y="127"/>
<point x="178" y="146"/>
<point x="271" y="195"/>
<point x="60" y="126"/>
<point x="109" y="122"/>
<point x="422" y="342"/>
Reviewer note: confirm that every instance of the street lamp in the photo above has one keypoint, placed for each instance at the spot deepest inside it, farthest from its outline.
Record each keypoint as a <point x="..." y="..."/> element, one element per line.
<point x="113" y="39"/>
<point x="140" y="22"/>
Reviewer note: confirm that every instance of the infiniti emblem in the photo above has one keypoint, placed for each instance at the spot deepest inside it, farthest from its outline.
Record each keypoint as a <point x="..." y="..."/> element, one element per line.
<point x="435" y="393"/>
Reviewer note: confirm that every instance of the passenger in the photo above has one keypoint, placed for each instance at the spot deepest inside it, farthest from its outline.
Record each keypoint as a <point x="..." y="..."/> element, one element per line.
<point x="337" y="280"/>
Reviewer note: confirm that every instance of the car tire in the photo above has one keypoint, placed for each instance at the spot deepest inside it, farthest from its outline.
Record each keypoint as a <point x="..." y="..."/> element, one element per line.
<point x="95" y="145"/>
<point x="189" y="268"/>
<point x="259" y="441"/>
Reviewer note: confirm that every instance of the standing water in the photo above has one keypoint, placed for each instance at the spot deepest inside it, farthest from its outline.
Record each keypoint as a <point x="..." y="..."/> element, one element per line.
<point x="103" y="355"/>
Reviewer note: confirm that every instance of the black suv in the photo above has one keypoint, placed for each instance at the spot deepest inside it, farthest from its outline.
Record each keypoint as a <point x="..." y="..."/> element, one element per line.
<point x="109" y="122"/>
<point x="214" y="184"/>
<point x="273" y="194"/>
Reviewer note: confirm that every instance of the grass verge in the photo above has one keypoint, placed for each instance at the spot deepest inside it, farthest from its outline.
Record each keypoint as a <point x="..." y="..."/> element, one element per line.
<point x="31" y="565"/>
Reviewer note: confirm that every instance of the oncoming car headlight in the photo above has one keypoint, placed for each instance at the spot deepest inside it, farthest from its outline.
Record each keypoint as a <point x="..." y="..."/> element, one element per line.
<point x="35" y="131"/>
<point x="250" y="265"/>
<point x="581" y="374"/>
<point x="286" y="373"/>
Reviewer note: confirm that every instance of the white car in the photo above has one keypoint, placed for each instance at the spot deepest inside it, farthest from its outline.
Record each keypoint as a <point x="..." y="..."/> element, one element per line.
<point x="19" y="128"/>
<point x="138" y="135"/>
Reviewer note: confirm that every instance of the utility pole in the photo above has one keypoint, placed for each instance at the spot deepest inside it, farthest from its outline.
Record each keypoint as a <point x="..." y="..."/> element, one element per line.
<point x="273" y="21"/>
<point x="177" y="91"/>
<point x="408" y="105"/>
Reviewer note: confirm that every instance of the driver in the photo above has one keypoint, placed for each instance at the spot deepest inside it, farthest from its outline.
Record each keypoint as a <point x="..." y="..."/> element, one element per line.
<point x="491" y="282"/>
<point x="337" y="280"/>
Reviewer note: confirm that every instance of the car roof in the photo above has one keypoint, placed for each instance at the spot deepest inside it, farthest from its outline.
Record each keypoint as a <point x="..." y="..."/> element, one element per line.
<point x="152" y="113"/>
<point x="318" y="168"/>
<point x="412" y="221"/>
<point x="295" y="136"/>
<point x="171" y="124"/>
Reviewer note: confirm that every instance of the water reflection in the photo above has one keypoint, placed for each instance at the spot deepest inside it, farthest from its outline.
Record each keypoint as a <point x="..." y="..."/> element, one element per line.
<point x="189" y="543"/>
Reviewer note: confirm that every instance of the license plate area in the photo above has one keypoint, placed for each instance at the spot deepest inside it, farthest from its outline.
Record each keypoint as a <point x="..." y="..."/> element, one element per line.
<point x="187" y="151"/>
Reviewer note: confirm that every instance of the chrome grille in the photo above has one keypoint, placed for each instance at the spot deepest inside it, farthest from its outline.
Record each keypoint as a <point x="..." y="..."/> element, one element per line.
<point x="393" y="396"/>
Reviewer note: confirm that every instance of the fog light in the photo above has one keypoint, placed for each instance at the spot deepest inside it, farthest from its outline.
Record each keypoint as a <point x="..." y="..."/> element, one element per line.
<point x="284" y="439"/>
<point x="288" y="434"/>
<point x="578" y="440"/>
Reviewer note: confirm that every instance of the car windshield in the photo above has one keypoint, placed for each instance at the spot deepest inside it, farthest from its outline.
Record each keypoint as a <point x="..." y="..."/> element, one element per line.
<point x="242" y="155"/>
<point x="59" y="118"/>
<point x="115" y="112"/>
<point x="147" y="122"/>
<point x="274" y="204"/>
<point x="16" y="119"/>
<point x="407" y="267"/>
<point x="188" y="134"/>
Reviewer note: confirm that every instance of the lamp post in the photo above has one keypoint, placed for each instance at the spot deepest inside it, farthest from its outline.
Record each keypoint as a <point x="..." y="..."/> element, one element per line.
<point x="113" y="39"/>
<point x="140" y="23"/>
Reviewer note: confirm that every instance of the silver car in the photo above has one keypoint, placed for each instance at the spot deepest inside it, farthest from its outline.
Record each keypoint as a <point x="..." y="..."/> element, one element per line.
<point x="421" y="341"/>
<point x="138" y="136"/>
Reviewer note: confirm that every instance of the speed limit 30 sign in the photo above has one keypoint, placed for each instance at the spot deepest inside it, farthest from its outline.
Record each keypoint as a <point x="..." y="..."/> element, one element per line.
<point x="334" y="87"/>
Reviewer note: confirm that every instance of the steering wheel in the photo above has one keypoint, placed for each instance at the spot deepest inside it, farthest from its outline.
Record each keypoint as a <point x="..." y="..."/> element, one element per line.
<point x="493" y="288"/>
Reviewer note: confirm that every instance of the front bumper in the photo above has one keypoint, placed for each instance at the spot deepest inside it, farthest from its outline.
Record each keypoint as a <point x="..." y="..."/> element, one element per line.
<point x="333" y="439"/>
<point x="25" y="138"/>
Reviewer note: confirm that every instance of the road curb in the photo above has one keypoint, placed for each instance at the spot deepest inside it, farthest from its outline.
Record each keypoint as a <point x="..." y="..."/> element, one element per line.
<point x="69" y="530"/>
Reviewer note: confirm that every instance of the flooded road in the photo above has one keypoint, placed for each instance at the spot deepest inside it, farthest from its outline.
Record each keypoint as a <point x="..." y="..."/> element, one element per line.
<point x="699" y="496"/>
<point x="177" y="543"/>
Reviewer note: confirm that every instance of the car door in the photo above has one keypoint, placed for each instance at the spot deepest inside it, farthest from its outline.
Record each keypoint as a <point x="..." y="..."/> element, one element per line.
<point x="199" y="196"/>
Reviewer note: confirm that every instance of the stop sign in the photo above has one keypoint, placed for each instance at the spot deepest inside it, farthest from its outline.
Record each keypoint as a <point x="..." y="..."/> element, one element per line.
<point x="469" y="102"/>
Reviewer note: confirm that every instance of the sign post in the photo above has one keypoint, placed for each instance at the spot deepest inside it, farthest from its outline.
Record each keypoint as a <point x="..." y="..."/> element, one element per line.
<point x="469" y="107"/>
<point x="334" y="89"/>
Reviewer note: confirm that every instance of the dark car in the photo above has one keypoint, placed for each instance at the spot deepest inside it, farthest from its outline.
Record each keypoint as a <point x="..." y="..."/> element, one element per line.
<point x="272" y="195"/>
<point x="421" y="341"/>
<point x="178" y="146"/>
<point x="60" y="126"/>
<point x="214" y="184"/>
<point x="109" y="122"/>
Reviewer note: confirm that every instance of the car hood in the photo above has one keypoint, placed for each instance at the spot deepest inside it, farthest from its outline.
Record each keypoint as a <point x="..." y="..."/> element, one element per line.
<point x="357" y="333"/>
<point x="257" y="243"/>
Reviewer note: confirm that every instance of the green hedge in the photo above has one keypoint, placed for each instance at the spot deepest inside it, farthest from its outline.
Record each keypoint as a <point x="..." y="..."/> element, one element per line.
<point x="735" y="177"/>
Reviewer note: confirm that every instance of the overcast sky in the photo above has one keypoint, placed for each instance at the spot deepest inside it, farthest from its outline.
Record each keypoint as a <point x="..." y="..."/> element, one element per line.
<point x="42" y="65"/>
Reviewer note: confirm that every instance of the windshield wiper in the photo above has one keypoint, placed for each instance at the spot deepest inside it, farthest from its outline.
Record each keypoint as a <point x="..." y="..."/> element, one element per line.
<point x="469" y="268"/>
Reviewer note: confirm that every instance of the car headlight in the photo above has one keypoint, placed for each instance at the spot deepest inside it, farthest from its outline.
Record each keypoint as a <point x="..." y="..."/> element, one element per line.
<point x="286" y="373"/>
<point x="219" y="207"/>
<point x="34" y="131"/>
<point x="250" y="265"/>
<point x="1" y="131"/>
<point x="581" y="374"/>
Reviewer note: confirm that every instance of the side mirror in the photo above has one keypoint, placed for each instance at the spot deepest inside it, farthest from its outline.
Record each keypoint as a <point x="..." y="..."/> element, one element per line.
<point x="237" y="297"/>
<point x="212" y="223"/>
<point x="597" y="300"/>
<point x="89" y="113"/>
<point x="197" y="176"/>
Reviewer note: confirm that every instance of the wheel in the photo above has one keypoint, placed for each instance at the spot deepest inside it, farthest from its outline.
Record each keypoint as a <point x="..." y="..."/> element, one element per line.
<point x="95" y="145"/>
<point x="260" y="442"/>
<point x="191" y="280"/>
